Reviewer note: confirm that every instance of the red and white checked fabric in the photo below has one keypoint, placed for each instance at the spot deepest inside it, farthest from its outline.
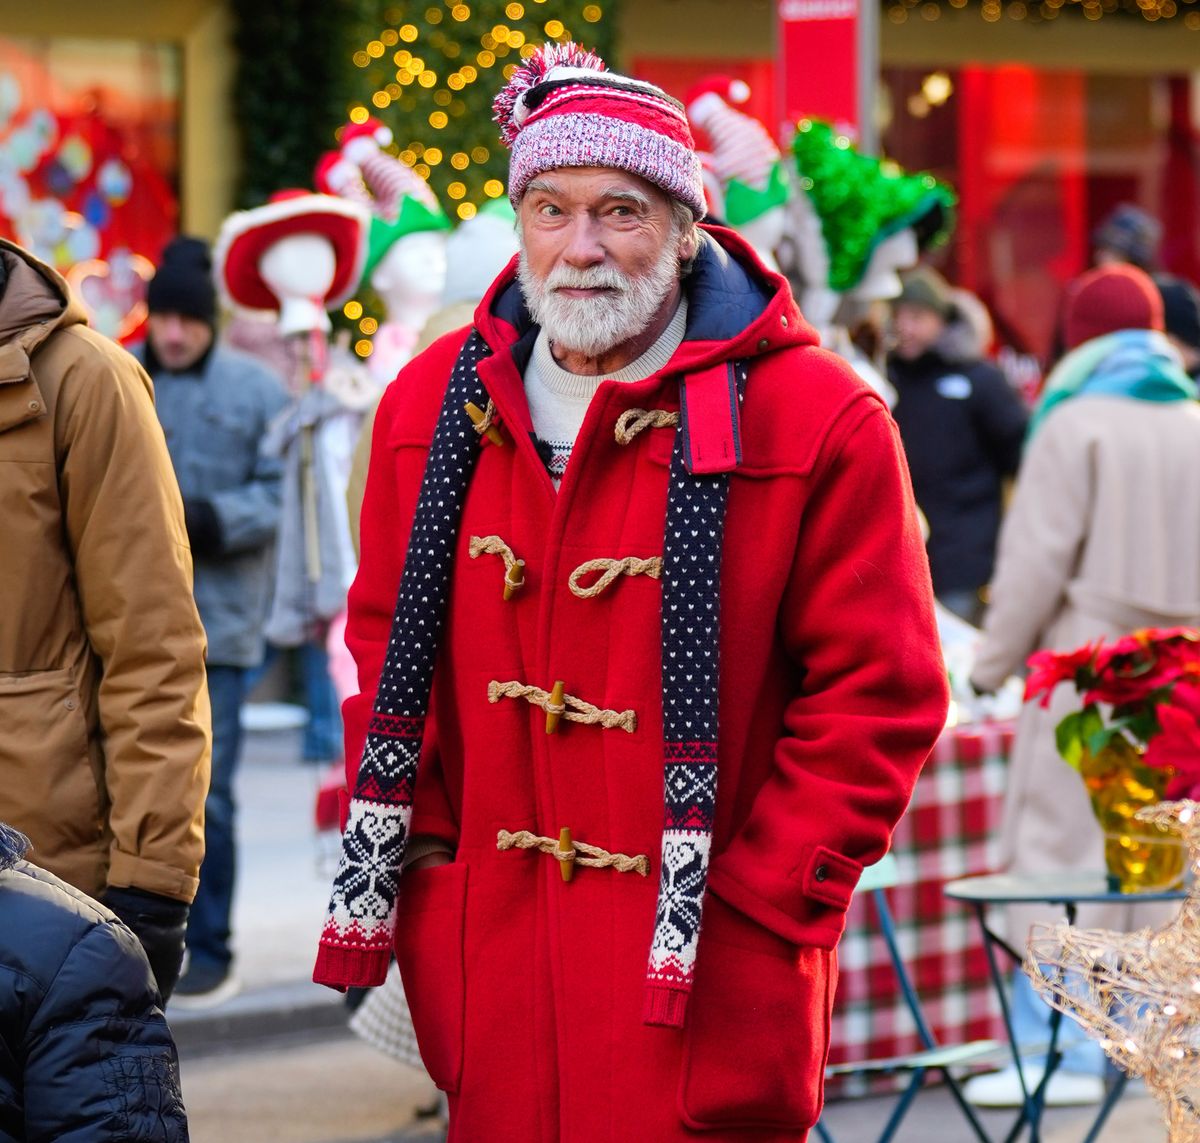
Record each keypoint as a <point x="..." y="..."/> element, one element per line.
<point x="951" y="830"/>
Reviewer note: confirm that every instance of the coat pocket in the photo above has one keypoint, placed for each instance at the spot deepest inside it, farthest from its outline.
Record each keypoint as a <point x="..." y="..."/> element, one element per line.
<point x="429" y="950"/>
<point x="53" y="795"/>
<point x="757" y="1032"/>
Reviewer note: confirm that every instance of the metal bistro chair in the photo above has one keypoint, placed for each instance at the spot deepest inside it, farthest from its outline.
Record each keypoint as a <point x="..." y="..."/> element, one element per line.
<point x="933" y="1056"/>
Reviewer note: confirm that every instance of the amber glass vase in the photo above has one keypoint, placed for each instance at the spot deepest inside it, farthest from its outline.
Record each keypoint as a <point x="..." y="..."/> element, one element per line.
<point x="1140" y="856"/>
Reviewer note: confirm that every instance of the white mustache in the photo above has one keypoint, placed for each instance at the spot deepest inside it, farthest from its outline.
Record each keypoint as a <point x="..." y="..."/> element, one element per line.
<point x="596" y="278"/>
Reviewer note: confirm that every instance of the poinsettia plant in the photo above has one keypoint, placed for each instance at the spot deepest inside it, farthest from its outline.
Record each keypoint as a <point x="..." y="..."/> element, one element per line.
<point x="1143" y="689"/>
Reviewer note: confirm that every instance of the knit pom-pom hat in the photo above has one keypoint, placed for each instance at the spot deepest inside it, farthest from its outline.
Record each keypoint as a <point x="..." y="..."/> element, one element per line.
<point x="1108" y="299"/>
<point x="564" y="108"/>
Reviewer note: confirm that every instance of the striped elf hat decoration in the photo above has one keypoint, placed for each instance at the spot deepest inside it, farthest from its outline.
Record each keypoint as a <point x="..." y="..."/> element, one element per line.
<point x="564" y="108"/>
<point x="740" y="150"/>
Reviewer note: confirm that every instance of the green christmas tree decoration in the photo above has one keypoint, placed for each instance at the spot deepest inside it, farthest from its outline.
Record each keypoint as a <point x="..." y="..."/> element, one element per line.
<point x="433" y="68"/>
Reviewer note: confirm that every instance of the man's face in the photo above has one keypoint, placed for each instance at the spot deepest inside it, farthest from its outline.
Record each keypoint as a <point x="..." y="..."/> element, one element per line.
<point x="178" y="341"/>
<point x="600" y="255"/>
<point x="914" y="330"/>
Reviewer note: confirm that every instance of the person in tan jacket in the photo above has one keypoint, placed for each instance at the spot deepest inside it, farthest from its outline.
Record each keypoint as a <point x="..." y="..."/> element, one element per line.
<point x="104" y="723"/>
<point x="1102" y="537"/>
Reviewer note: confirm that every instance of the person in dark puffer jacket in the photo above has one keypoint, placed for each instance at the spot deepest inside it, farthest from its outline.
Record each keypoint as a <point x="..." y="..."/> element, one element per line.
<point x="85" y="1051"/>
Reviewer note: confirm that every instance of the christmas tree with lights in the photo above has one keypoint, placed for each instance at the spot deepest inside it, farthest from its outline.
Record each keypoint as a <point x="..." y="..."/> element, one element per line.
<point x="433" y="73"/>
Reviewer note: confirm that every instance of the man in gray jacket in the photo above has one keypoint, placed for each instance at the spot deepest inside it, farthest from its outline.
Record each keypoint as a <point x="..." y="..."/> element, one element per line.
<point x="215" y="405"/>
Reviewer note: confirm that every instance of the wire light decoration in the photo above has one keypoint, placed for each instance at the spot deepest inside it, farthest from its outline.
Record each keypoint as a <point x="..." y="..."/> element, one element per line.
<point x="1137" y="993"/>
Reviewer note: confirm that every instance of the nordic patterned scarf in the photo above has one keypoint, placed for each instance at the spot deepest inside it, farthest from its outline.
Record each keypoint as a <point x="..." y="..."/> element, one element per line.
<point x="357" y="937"/>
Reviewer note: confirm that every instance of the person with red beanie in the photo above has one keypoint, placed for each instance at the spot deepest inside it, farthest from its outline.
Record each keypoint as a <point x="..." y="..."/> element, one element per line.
<point x="643" y="685"/>
<point x="1102" y="537"/>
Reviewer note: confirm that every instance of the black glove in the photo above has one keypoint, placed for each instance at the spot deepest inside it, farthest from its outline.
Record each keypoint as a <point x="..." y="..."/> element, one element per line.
<point x="203" y="527"/>
<point x="160" y="924"/>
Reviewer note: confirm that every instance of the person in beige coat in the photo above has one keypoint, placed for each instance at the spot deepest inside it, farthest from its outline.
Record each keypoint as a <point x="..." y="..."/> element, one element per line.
<point x="104" y="723"/>
<point x="1102" y="537"/>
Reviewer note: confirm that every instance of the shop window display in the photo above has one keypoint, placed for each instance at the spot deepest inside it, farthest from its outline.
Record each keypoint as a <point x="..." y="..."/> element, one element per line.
<point x="1040" y="158"/>
<point x="89" y="160"/>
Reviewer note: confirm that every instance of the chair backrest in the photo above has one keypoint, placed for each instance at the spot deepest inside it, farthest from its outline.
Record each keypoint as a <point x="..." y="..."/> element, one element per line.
<point x="884" y="874"/>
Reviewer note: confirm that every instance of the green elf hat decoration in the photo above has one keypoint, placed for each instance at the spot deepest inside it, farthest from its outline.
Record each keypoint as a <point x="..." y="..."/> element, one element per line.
<point x="862" y="200"/>
<point x="414" y="217"/>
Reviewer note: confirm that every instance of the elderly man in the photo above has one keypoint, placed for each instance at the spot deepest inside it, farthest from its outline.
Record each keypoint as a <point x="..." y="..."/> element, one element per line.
<point x="686" y="667"/>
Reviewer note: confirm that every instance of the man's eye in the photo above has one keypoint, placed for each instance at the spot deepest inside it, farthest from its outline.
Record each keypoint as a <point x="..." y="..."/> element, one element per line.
<point x="623" y="211"/>
<point x="550" y="209"/>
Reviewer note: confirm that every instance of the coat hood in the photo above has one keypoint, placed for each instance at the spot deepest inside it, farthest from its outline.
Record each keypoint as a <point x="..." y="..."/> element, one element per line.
<point x="35" y="300"/>
<point x="737" y="308"/>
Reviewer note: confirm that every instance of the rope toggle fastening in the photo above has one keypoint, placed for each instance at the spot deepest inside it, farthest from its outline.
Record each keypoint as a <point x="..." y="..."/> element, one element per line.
<point x="566" y="851"/>
<point x="514" y="569"/>
<point x="559" y="704"/>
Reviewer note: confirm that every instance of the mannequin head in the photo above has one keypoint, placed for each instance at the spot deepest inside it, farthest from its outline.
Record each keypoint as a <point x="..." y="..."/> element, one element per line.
<point x="881" y="280"/>
<point x="411" y="276"/>
<point x="765" y="233"/>
<point x="299" y="271"/>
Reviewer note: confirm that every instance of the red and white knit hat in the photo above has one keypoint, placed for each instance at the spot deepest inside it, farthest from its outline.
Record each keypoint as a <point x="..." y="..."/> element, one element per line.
<point x="563" y="108"/>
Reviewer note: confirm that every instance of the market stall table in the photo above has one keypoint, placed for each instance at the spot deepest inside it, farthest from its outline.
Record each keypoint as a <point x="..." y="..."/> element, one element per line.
<point x="950" y="831"/>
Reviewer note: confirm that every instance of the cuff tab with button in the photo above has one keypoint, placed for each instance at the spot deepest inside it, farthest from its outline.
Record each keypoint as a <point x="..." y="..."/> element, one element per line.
<point x="830" y="877"/>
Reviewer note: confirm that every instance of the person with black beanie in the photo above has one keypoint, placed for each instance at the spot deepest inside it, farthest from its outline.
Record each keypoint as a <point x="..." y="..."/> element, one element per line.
<point x="215" y="404"/>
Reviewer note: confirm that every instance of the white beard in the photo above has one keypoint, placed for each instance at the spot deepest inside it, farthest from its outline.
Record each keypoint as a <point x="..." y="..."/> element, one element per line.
<point x="592" y="326"/>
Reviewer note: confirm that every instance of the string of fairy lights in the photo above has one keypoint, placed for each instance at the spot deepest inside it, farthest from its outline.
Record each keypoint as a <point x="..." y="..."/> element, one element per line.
<point x="436" y="59"/>
<point x="432" y="76"/>
<point x="1187" y="12"/>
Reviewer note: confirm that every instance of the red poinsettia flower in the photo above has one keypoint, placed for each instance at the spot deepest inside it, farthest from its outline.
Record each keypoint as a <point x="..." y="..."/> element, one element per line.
<point x="1177" y="745"/>
<point x="1049" y="668"/>
<point x="1131" y="670"/>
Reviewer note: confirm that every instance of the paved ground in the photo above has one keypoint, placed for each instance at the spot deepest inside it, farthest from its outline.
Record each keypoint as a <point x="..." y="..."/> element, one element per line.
<point x="276" y="1065"/>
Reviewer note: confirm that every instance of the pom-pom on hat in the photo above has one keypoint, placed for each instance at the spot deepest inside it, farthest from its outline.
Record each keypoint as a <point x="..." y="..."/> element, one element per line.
<point x="246" y="235"/>
<point x="1108" y="299"/>
<point x="564" y="108"/>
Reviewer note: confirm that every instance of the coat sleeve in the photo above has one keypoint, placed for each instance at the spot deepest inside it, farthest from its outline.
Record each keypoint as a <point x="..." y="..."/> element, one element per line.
<point x="248" y="514"/>
<point x="389" y="503"/>
<point x="857" y="619"/>
<point x="100" y="1062"/>
<point x="1038" y="550"/>
<point x="124" y="522"/>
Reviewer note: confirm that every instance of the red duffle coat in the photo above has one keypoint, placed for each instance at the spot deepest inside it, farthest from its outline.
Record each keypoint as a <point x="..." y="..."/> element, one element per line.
<point x="526" y="991"/>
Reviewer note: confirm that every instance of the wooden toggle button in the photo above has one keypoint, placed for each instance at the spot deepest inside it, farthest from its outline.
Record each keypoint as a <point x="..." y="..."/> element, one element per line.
<point x="567" y="867"/>
<point x="514" y="579"/>
<point x="556" y="699"/>
<point x="477" y="416"/>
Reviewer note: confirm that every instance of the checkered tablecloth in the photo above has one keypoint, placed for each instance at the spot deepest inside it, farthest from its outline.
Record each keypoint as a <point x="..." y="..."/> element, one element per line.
<point x="950" y="830"/>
